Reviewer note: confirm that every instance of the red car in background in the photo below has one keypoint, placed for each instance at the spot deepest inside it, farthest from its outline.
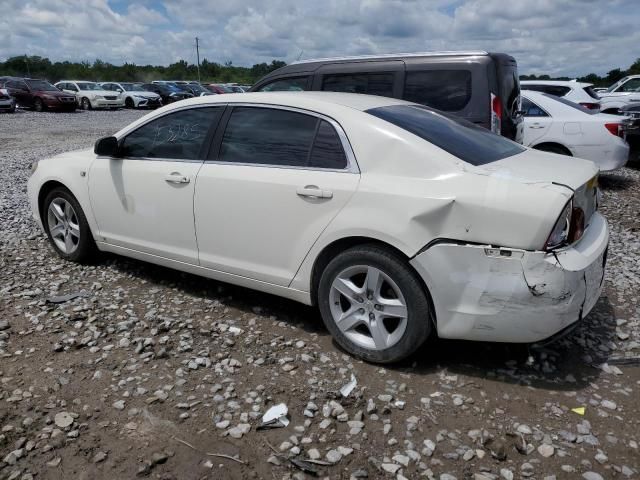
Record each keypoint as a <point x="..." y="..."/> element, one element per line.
<point x="219" y="89"/>
<point x="38" y="94"/>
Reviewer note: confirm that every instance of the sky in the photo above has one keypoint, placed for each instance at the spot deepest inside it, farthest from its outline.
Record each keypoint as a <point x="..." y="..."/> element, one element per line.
<point x="557" y="37"/>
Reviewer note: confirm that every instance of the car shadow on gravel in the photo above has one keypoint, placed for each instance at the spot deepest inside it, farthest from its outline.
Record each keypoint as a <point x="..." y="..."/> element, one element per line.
<point x="615" y="182"/>
<point x="569" y="363"/>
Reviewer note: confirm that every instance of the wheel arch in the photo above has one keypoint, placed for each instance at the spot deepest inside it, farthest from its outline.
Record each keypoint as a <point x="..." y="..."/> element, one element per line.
<point x="332" y="249"/>
<point x="558" y="145"/>
<point x="45" y="188"/>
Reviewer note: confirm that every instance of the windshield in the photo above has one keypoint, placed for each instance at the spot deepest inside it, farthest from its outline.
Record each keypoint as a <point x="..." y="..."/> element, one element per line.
<point x="615" y="85"/>
<point x="198" y="88"/>
<point x="571" y="104"/>
<point x="130" y="87"/>
<point x="41" y="85"/>
<point x="463" y="139"/>
<point x="88" y="86"/>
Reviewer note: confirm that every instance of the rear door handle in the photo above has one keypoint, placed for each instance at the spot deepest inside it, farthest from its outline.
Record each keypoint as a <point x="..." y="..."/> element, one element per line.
<point x="536" y="126"/>
<point x="176" y="177"/>
<point x="313" y="191"/>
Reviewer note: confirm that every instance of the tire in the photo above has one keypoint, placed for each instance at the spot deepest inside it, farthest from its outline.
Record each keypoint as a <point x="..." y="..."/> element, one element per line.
<point x="38" y="106"/>
<point x="128" y="103"/>
<point x="399" y="286"/>
<point x="85" y="104"/>
<point x="82" y="248"/>
<point x="553" y="149"/>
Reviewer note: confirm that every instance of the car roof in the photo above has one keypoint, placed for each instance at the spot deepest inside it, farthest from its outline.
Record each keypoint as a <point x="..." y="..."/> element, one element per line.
<point x="393" y="56"/>
<point x="77" y="81"/>
<point x="311" y="100"/>
<point x="563" y="83"/>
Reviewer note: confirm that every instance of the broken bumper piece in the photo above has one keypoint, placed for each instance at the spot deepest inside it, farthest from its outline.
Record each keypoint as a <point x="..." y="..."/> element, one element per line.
<point x="509" y="295"/>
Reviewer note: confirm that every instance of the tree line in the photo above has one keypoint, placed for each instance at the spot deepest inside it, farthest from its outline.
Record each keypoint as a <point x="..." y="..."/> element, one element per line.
<point x="42" y="67"/>
<point x="609" y="79"/>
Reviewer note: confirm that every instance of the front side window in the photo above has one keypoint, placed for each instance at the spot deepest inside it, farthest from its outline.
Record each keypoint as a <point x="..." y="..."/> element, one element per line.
<point x="271" y="136"/>
<point x="530" y="109"/>
<point x="367" y="83"/>
<point x="446" y="90"/>
<point x="463" y="139"/>
<point x="180" y="135"/>
<point x="632" y="85"/>
<point x="296" y="84"/>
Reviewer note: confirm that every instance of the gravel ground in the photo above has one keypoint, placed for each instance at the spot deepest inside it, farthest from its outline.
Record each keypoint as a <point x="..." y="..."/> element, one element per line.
<point x="159" y="374"/>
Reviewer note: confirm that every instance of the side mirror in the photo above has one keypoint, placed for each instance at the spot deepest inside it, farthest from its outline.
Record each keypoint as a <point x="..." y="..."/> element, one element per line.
<point x="119" y="90"/>
<point x="106" y="147"/>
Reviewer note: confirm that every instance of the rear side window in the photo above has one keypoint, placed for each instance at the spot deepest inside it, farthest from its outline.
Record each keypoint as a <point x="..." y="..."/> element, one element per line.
<point x="447" y="90"/>
<point x="268" y="136"/>
<point x="180" y="135"/>
<point x="530" y="109"/>
<point x="327" y="149"/>
<point x="367" y="83"/>
<point x="297" y="84"/>
<point x="463" y="139"/>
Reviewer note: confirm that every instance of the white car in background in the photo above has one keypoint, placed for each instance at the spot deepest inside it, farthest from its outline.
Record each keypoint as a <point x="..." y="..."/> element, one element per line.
<point x="557" y="125"/>
<point x="134" y="95"/>
<point x="394" y="219"/>
<point x="91" y="95"/>
<point x="576" y="92"/>
<point x="620" y="94"/>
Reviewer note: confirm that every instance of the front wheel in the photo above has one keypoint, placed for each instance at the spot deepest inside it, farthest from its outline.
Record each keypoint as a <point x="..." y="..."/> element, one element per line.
<point x="67" y="227"/>
<point x="86" y="104"/>
<point x="38" y="106"/>
<point x="374" y="304"/>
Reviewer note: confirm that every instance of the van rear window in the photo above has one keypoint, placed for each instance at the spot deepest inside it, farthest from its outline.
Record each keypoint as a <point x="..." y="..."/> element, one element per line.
<point x="447" y="90"/>
<point x="463" y="139"/>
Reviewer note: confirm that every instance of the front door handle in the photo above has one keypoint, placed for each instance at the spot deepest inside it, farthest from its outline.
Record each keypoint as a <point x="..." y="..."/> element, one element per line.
<point x="536" y="126"/>
<point x="312" y="191"/>
<point x="176" y="177"/>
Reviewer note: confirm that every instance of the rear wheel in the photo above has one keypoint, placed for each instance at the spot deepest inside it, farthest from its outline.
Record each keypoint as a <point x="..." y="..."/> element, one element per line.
<point x="38" y="106"/>
<point x="374" y="304"/>
<point x="67" y="227"/>
<point x="86" y="104"/>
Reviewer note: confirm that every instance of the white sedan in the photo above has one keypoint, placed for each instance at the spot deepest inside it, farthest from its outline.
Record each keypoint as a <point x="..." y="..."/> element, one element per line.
<point x="396" y="220"/>
<point x="91" y="95"/>
<point x="134" y="95"/>
<point x="560" y="126"/>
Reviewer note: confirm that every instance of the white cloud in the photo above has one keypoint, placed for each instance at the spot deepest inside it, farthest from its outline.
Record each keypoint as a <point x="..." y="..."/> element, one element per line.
<point x="560" y="37"/>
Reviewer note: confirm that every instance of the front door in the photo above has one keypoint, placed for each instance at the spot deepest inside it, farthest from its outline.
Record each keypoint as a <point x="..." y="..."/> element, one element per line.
<point x="144" y="200"/>
<point x="536" y="122"/>
<point x="277" y="181"/>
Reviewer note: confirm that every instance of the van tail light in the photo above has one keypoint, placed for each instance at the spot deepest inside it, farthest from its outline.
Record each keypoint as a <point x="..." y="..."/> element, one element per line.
<point x="615" y="129"/>
<point x="496" y="114"/>
<point x="590" y="105"/>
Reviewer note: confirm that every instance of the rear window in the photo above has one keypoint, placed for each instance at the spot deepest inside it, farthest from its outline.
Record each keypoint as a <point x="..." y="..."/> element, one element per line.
<point x="571" y="104"/>
<point x="557" y="90"/>
<point x="591" y="92"/>
<point x="447" y="90"/>
<point x="368" y="83"/>
<point x="463" y="139"/>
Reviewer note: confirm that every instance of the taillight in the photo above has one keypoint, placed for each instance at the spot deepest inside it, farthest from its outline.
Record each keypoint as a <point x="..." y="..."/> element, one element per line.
<point x="496" y="114"/>
<point x="615" y="129"/>
<point x="576" y="228"/>
<point x="560" y="233"/>
<point x="590" y="106"/>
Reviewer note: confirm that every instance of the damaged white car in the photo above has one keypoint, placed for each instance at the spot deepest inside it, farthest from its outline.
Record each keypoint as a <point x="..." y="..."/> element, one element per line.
<point x="396" y="220"/>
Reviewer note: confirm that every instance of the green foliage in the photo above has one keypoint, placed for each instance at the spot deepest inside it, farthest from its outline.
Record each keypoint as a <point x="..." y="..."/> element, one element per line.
<point x="609" y="79"/>
<point x="210" y="72"/>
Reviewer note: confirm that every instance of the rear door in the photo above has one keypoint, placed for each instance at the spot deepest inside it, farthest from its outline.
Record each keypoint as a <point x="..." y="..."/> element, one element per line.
<point x="384" y="78"/>
<point x="276" y="178"/>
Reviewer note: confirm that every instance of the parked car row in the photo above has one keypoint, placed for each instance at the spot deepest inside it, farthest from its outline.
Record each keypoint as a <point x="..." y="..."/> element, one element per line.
<point x="67" y="95"/>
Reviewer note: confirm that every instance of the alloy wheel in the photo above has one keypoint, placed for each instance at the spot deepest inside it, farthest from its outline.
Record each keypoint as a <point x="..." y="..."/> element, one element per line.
<point x="64" y="226"/>
<point x="368" y="307"/>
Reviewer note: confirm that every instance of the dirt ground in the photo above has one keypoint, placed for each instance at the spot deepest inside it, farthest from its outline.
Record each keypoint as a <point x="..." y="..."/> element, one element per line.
<point x="151" y="373"/>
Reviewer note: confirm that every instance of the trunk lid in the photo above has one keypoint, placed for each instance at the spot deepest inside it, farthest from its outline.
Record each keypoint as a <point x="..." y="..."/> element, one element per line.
<point x="549" y="169"/>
